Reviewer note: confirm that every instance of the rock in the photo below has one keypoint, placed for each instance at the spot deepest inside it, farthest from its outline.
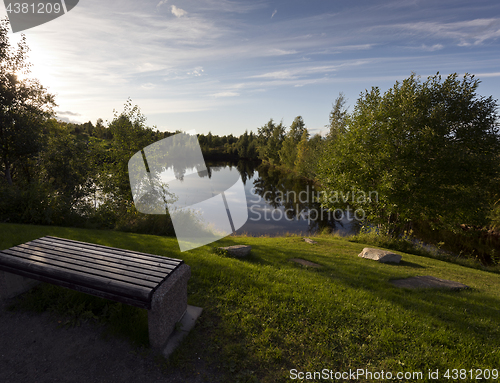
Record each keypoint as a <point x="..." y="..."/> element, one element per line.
<point x="309" y="240"/>
<point x="383" y="256"/>
<point x="303" y="262"/>
<point x="237" y="250"/>
<point x="427" y="281"/>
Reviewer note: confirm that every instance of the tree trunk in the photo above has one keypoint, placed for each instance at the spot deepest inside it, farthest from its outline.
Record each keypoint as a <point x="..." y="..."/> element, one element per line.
<point x="8" y="176"/>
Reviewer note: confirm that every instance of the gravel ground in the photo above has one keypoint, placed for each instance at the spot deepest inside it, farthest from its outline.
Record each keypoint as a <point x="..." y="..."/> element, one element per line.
<point x="34" y="348"/>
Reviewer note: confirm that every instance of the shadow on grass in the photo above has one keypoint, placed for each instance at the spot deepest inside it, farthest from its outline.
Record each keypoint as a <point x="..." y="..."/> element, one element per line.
<point x="410" y="264"/>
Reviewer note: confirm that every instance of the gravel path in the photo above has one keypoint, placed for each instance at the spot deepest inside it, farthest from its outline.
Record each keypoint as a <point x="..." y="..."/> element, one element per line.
<point x="33" y="348"/>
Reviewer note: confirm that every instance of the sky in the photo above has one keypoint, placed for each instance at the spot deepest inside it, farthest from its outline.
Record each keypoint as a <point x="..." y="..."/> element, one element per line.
<point x="227" y="66"/>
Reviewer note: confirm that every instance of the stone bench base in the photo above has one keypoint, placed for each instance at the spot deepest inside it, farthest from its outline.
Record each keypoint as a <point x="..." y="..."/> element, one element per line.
<point x="168" y="305"/>
<point x="12" y="285"/>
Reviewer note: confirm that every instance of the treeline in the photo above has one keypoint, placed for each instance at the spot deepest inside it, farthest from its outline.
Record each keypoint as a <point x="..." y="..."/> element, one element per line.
<point x="291" y="148"/>
<point x="429" y="150"/>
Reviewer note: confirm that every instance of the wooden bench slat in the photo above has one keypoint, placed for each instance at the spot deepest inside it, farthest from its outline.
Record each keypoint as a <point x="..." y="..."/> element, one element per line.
<point x="94" y="274"/>
<point x="99" y="252"/>
<point x="108" y="249"/>
<point x="92" y="264"/>
<point x="158" y="271"/>
<point x="76" y="278"/>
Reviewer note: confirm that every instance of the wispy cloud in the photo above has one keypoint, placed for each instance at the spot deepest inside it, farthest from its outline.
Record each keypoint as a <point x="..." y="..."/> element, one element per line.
<point x="303" y="71"/>
<point x="68" y="116"/>
<point x="432" y="48"/>
<point x="491" y="74"/>
<point x="281" y="52"/>
<point x="67" y="113"/>
<point x="161" y="3"/>
<point x="464" y="33"/>
<point x="230" y="6"/>
<point x="177" y="12"/>
<point x="225" y="94"/>
<point x="275" y="12"/>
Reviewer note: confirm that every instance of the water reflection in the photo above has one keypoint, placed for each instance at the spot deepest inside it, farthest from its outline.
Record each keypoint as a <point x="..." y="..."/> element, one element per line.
<point x="280" y="202"/>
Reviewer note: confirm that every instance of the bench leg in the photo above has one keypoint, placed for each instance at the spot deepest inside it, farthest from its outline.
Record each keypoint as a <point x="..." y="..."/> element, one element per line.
<point x="12" y="285"/>
<point x="168" y="305"/>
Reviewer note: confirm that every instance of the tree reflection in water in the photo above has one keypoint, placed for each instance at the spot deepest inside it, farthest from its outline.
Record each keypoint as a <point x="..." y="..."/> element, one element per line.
<point x="280" y="202"/>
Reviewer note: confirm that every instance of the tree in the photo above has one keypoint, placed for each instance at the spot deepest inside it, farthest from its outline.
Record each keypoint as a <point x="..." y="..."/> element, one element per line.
<point x="65" y="167"/>
<point x="288" y="152"/>
<point x="316" y="145"/>
<point x="337" y="120"/>
<point x="302" y="160"/>
<point x="129" y="136"/>
<point x="24" y="106"/>
<point x="424" y="151"/>
<point x="271" y="138"/>
<point x="242" y="145"/>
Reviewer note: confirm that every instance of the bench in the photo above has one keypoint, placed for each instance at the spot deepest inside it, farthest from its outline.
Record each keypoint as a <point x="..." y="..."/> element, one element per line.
<point x="155" y="283"/>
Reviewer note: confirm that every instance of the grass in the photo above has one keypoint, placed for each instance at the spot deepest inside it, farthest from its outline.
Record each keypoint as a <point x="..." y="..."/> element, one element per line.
<point x="265" y="315"/>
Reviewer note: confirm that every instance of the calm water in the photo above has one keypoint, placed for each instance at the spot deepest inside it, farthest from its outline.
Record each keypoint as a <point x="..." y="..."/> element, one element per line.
<point x="280" y="203"/>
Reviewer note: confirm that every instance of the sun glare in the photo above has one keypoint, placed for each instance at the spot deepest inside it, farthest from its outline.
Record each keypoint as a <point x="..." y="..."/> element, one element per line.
<point x="44" y="66"/>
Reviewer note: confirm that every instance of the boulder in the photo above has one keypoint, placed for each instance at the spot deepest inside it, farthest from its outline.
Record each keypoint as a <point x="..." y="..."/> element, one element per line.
<point x="428" y="282"/>
<point x="383" y="256"/>
<point x="309" y="240"/>
<point x="238" y="251"/>
<point x="304" y="262"/>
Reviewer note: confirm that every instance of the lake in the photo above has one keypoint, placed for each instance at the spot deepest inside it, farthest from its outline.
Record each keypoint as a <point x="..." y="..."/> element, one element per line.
<point x="279" y="202"/>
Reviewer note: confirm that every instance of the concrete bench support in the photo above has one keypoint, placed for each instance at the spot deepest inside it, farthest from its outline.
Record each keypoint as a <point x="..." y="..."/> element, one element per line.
<point x="12" y="285"/>
<point x="168" y="305"/>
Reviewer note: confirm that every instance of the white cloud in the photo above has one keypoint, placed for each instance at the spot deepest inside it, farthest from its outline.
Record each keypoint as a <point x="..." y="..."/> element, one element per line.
<point x="281" y="52"/>
<point x="225" y="94"/>
<point x="278" y="75"/>
<point x="149" y="67"/>
<point x="432" y="48"/>
<point x="197" y="72"/>
<point x="301" y="72"/>
<point x="161" y="3"/>
<point x="491" y="74"/>
<point x="275" y="12"/>
<point x="177" y="11"/>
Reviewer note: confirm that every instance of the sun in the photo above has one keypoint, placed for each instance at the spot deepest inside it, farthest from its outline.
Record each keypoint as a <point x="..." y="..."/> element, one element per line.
<point x="43" y="66"/>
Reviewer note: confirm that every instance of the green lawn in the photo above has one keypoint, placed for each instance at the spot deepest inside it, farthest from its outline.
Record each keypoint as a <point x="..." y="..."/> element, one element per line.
<point x="265" y="315"/>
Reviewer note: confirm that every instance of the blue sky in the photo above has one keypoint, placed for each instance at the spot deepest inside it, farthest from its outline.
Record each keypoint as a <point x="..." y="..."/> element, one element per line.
<point x="226" y="66"/>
